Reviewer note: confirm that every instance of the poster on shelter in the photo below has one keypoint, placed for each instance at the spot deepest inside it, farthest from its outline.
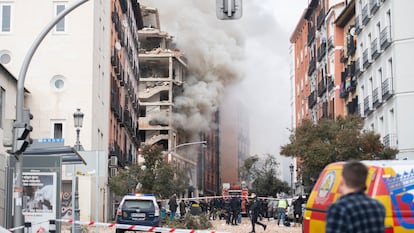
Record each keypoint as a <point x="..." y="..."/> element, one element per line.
<point x="39" y="199"/>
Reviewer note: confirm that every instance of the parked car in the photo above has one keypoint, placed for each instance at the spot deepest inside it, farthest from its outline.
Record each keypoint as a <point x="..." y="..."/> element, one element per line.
<point x="138" y="209"/>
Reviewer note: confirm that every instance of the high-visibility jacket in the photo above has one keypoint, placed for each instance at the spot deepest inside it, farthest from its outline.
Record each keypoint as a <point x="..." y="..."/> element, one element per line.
<point x="282" y="204"/>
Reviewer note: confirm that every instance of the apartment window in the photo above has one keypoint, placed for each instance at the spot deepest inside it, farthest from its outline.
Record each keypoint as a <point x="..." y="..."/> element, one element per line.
<point x="381" y="126"/>
<point x="57" y="130"/>
<point x="390" y="68"/>
<point x="60" y="26"/>
<point x="5" y="17"/>
<point x="2" y="94"/>
<point x="380" y="77"/>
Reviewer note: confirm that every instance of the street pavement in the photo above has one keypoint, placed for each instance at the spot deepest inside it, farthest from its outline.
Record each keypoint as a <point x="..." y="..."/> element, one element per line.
<point x="218" y="225"/>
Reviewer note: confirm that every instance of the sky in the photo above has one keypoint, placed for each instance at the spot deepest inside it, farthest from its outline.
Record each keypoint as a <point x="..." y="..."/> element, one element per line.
<point x="247" y="59"/>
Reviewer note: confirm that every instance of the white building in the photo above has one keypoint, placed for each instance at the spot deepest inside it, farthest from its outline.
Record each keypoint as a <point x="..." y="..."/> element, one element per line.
<point x="385" y="45"/>
<point x="69" y="70"/>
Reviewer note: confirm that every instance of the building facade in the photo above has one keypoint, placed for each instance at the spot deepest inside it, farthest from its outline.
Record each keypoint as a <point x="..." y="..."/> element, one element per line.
<point x="89" y="60"/>
<point x="234" y="140"/>
<point x="385" y="86"/>
<point x="361" y="49"/>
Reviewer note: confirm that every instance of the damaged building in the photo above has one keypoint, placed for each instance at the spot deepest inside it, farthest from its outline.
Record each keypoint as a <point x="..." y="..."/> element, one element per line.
<point x="162" y="74"/>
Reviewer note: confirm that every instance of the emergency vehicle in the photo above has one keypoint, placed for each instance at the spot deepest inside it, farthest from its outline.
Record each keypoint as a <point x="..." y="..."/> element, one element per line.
<point x="240" y="191"/>
<point x="389" y="181"/>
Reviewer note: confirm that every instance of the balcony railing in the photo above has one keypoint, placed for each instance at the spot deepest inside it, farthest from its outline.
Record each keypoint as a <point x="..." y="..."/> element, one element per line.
<point x="311" y="34"/>
<point x="350" y="45"/>
<point x="321" y="51"/>
<point x="312" y="99"/>
<point x="373" y="6"/>
<point x="374" y="49"/>
<point x="375" y="98"/>
<point x="320" y="19"/>
<point x="351" y="69"/>
<point x="357" y="67"/>
<point x="322" y="87"/>
<point x="385" y="39"/>
<point x="312" y="66"/>
<point x="390" y="140"/>
<point x="386" y="89"/>
<point x="367" y="106"/>
<point x="365" y="59"/>
<point x="365" y="14"/>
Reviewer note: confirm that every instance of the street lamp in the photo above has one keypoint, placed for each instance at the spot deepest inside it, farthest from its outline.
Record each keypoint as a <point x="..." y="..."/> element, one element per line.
<point x="78" y="122"/>
<point x="291" y="167"/>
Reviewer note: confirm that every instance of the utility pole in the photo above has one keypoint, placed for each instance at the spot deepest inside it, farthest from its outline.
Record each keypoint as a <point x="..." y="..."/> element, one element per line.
<point x="18" y="187"/>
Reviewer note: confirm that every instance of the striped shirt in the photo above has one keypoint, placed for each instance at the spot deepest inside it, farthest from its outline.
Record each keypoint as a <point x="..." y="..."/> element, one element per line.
<point x="355" y="213"/>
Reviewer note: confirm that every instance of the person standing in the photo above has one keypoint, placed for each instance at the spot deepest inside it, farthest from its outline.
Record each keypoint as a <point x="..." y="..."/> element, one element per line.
<point x="297" y="210"/>
<point x="254" y="213"/>
<point x="354" y="211"/>
<point x="172" y="203"/>
<point x="235" y="206"/>
<point x="183" y="210"/>
<point x="281" y="211"/>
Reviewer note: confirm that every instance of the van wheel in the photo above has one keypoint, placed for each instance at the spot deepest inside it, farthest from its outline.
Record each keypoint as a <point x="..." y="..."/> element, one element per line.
<point x="119" y="230"/>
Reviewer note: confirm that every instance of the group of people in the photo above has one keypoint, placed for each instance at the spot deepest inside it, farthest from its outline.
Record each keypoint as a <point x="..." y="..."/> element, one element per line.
<point x="354" y="211"/>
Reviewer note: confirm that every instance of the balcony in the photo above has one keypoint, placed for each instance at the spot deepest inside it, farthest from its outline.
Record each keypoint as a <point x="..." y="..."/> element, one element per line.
<point x="386" y="89"/>
<point x="330" y="82"/>
<point x="350" y="45"/>
<point x="374" y="49"/>
<point x="373" y="6"/>
<point x="376" y="102"/>
<point x="320" y="19"/>
<point x="365" y="15"/>
<point x="352" y="106"/>
<point x="357" y="67"/>
<point x="367" y="106"/>
<point x="311" y="34"/>
<point x="312" y="99"/>
<point x="321" y="51"/>
<point x="312" y="66"/>
<point x="385" y="39"/>
<point x="115" y="150"/>
<point x="351" y="69"/>
<point x="366" y="59"/>
<point x="390" y="140"/>
<point x="322" y="87"/>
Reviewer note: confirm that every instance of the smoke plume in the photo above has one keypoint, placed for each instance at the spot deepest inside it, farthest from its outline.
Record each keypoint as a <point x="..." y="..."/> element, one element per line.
<point x="214" y="52"/>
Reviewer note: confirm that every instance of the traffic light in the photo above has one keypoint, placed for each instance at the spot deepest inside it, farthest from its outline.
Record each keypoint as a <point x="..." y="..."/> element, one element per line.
<point x="229" y="9"/>
<point x="21" y="133"/>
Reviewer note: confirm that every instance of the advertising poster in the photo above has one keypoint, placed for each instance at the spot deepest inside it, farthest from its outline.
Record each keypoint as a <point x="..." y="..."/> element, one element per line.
<point x="39" y="199"/>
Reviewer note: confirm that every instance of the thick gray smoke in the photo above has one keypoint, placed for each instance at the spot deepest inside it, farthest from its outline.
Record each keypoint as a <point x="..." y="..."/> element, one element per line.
<point x="214" y="52"/>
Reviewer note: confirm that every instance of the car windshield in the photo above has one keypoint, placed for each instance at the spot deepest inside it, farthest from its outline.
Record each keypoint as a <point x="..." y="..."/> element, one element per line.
<point x="138" y="204"/>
